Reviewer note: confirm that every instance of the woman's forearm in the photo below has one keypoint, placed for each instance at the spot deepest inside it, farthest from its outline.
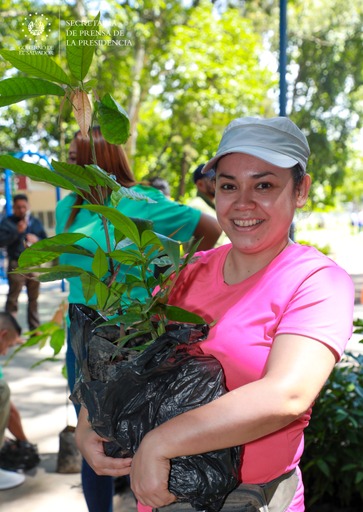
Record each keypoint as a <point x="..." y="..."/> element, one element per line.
<point x="296" y="371"/>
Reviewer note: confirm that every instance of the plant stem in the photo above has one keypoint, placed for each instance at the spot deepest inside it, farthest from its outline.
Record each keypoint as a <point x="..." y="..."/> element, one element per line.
<point x="101" y="199"/>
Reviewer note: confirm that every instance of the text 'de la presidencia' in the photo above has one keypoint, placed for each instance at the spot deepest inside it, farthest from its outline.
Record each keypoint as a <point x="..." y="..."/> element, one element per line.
<point x="93" y="30"/>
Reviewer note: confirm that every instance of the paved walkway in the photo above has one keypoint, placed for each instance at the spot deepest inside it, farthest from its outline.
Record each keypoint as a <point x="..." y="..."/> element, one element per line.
<point x="41" y="396"/>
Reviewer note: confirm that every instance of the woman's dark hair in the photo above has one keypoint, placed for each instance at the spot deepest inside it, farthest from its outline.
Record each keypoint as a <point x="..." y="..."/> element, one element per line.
<point x="110" y="157"/>
<point x="298" y="174"/>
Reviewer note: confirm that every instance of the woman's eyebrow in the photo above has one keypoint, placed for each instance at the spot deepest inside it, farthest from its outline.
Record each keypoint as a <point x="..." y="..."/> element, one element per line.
<point x="224" y="175"/>
<point x="256" y="176"/>
<point x="263" y="174"/>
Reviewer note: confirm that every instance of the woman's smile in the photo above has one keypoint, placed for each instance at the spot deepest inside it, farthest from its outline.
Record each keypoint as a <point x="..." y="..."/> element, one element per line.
<point x="247" y="223"/>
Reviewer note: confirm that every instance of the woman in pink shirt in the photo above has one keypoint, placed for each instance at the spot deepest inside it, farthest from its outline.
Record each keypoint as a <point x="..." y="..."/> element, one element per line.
<point x="283" y="315"/>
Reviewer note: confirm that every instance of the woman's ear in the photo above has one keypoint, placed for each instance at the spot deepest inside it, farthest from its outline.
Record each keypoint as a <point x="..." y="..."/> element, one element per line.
<point x="302" y="192"/>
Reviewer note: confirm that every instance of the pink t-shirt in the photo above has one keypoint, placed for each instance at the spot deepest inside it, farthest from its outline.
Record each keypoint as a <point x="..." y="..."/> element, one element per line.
<point x="300" y="292"/>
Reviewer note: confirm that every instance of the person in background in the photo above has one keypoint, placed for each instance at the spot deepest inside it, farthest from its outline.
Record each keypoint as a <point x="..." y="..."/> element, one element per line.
<point x="18" y="231"/>
<point x="205" y="198"/>
<point x="169" y="218"/>
<point x="10" y="419"/>
<point x="282" y="316"/>
<point x="160" y="184"/>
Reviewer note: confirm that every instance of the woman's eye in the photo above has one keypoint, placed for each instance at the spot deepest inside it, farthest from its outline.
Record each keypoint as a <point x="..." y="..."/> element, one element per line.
<point x="227" y="186"/>
<point x="264" y="185"/>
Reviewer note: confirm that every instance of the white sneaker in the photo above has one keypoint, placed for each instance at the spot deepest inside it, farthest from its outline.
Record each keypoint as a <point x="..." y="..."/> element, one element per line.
<point x="10" y="479"/>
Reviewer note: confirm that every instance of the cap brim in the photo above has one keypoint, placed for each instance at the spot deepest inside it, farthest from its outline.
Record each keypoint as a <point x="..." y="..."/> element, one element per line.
<point x="267" y="155"/>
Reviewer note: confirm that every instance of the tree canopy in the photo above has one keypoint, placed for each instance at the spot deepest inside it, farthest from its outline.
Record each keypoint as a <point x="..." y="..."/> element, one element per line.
<point x="192" y="67"/>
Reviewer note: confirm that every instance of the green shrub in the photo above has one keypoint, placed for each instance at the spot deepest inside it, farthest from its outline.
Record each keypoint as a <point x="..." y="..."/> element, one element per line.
<point x="332" y="463"/>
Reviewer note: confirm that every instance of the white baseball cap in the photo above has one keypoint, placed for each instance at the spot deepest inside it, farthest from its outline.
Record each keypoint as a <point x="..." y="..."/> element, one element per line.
<point x="276" y="140"/>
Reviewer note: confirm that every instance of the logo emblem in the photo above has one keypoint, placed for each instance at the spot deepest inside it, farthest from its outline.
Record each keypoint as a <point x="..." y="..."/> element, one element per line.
<point x="36" y="27"/>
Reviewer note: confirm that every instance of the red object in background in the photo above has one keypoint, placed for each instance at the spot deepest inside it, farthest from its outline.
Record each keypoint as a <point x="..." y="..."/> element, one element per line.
<point x="22" y="182"/>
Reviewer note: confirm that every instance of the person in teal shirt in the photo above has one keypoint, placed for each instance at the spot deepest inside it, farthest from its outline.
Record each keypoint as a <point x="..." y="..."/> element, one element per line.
<point x="169" y="218"/>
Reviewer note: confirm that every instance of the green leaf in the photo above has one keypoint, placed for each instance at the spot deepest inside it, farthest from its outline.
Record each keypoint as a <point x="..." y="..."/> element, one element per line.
<point x="13" y="90"/>
<point x="50" y="248"/>
<point x="101" y="177"/>
<point x="122" y="192"/>
<point x="112" y="321"/>
<point x="35" y="172"/>
<point x="181" y="315"/>
<point x="150" y="238"/>
<point x="102" y="293"/>
<point x="30" y="258"/>
<point x="127" y="257"/>
<point x="100" y="263"/>
<point x="90" y="84"/>
<point x="76" y="174"/>
<point x="348" y="467"/>
<point x="88" y="285"/>
<point x="122" y="223"/>
<point x="172" y="249"/>
<point x="57" y="242"/>
<point x="62" y="243"/>
<point x="129" y="337"/>
<point x="118" y="236"/>
<point x="163" y="261"/>
<point x="113" y="119"/>
<point x="41" y="66"/>
<point x="142" y="224"/>
<point x="80" y="48"/>
<point x="323" y="467"/>
<point x="57" y="273"/>
<point x="57" y="341"/>
<point x="130" y="279"/>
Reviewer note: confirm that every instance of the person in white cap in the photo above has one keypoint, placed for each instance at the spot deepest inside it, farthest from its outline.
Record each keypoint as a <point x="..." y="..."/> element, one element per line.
<point x="282" y="315"/>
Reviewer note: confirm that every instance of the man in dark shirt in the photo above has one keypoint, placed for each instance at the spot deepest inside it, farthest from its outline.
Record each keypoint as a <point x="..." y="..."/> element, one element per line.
<point x="18" y="231"/>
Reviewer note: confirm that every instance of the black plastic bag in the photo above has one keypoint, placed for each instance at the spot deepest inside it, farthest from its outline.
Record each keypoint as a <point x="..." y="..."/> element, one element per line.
<point x="126" y="399"/>
<point x="16" y="454"/>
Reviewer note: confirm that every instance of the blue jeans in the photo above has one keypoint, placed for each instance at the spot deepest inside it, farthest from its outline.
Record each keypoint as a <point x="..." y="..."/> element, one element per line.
<point x="98" y="490"/>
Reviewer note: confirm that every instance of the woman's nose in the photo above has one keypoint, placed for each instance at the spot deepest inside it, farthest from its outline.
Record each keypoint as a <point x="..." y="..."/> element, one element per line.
<point x="244" y="199"/>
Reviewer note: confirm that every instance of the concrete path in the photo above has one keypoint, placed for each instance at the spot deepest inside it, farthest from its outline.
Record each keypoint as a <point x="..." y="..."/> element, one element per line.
<point x="41" y="395"/>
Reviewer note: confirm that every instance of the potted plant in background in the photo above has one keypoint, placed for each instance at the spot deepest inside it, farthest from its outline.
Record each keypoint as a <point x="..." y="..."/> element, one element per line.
<point x="109" y="350"/>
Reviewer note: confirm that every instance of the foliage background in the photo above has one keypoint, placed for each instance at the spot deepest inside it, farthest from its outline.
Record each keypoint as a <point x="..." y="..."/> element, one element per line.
<point x="332" y="461"/>
<point x="195" y="65"/>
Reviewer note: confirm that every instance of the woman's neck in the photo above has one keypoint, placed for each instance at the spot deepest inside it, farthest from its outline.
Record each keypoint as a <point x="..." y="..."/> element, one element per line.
<point x="240" y="266"/>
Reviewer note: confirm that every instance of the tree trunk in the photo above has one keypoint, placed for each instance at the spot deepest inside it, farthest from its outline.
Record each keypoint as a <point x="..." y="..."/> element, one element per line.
<point x="135" y="101"/>
<point x="184" y="169"/>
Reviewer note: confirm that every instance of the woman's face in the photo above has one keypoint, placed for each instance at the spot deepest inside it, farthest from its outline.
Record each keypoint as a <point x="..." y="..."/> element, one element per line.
<point x="256" y="202"/>
<point x="72" y="152"/>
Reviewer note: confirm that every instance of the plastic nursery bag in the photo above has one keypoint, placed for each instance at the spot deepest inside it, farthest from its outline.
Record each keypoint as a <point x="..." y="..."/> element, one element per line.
<point x="126" y="399"/>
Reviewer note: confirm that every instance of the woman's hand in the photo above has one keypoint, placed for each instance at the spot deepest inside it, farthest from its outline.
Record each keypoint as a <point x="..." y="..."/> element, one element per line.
<point x="150" y="474"/>
<point x="90" y="445"/>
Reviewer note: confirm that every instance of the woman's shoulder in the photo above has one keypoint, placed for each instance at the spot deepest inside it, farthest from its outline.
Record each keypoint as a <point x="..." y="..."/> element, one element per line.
<point x="213" y="254"/>
<point x="303" y="261"/>
<point x="148" y="191"/>
<point x="310" y="256"/>
<point x="66" y="201"/>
